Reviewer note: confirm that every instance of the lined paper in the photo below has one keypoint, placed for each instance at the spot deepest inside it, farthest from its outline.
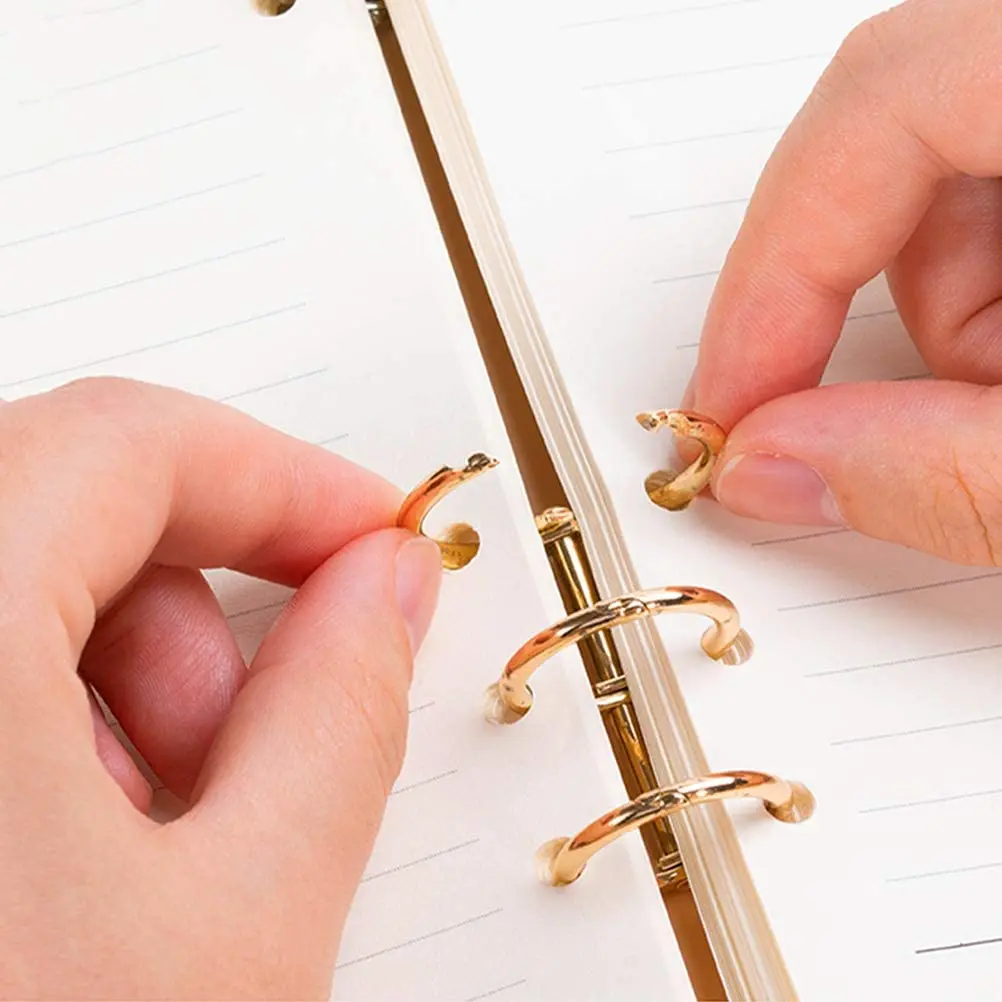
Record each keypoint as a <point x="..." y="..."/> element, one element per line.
<point x="622" y="155"/>
<point x="194" y="195"/>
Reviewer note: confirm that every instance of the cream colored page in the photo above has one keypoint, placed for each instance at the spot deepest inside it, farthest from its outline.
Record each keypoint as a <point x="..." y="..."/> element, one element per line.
<point x="196" y="196"/>
<point x="622" y="153"/>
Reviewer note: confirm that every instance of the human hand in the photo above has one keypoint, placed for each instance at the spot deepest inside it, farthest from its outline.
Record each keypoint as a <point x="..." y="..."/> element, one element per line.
<point x="112" y="494"/>
<point x="892" y="164"/>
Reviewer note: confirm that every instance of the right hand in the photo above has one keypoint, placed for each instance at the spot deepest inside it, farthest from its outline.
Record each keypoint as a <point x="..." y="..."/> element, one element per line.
<point x="892" y="164"/>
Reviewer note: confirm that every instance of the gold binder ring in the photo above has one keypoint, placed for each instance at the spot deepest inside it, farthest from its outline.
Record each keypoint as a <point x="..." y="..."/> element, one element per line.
<point x="668" y="488"/>
<point x="562" y="860"/>
<point x="510" y="698"/>
<point x="460" y="542"/>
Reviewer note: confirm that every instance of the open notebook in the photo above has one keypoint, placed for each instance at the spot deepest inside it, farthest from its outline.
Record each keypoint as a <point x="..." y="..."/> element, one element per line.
<point x="196" y="195"/>
<point x="602" y="154"/>
<point x="193" y="194"/>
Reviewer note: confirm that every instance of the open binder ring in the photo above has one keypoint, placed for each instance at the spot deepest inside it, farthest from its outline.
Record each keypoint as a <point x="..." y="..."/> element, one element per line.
<point x="668" y="488"/>
<point x="459" y="543"/>
<point x="510" y="698"/>
<point x="562" y="860"/>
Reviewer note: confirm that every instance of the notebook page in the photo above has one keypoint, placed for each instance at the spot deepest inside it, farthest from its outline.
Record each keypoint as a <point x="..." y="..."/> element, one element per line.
<point x="622" y="154"/>
<point x="194" y="195"/>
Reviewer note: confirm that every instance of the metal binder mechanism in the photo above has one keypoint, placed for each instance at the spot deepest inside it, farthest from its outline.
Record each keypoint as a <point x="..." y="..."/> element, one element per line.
<point x="562" y="860"/>
<point x="510" y="698"/>
<point x="589" y="627"/>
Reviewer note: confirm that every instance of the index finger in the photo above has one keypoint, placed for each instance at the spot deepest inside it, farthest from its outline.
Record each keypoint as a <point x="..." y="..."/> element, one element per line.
<point x="901" y="107"/>
<point x="102" y="476"/>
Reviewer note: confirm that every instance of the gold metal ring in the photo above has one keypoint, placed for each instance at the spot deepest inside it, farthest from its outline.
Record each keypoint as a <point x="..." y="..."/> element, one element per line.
<point x="510" y="698"/>
<point x="459" y="543"/>
<point x="668" y="488"/>
<point x="562" y="860"/>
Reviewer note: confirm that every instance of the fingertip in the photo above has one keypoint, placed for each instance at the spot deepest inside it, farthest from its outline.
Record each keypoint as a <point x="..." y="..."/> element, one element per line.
<point x="117" y="761"/>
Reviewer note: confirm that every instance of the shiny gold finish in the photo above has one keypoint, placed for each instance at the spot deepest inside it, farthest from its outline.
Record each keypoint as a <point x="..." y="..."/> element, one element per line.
<point x="561" y="861"/>
<point x="676" y="491"/>
<point x="564" y="547"/>
<point x="510" y="698"/>
<point x="459" y="543"/>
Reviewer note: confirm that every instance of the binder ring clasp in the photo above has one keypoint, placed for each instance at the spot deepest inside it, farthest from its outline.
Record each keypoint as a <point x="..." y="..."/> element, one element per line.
<point x="459" y="543"/>
<point x="676" y="491"/>
<point x="562" y="860"/>
<point x="510" y="698"/>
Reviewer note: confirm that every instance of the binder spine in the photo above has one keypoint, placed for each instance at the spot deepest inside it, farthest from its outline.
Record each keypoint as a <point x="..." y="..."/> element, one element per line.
<point x="561" y="536"/>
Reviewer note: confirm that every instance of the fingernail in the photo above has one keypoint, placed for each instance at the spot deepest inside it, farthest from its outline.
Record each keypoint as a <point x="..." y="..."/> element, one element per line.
<point x="419" y="571"/>
<point x="776" y="489"/>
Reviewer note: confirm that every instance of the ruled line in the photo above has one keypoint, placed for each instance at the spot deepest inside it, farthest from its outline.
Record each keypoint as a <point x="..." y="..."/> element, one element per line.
<point x="687" y="140"/>
<point x="890" y="735"/>
<point x="497" y="991"/>
<point x="674" y="210"/>
<point x="888" y="593"/>
<point x="421" y="706"/>
<point x="138" y="210"/>
<point x="867" y="316"/>
<point x="701" y="72"/>
<point x="942" y="873"/>
<point x="331" y="441"/>
<point x="139" y="279"/>
<point x="801" y="538"/>
<point x="658" y="13"/>
<point x="257" y="608"/>
<point x="423" y="782"/>
<point x="418" y="862"/>
<point x="961" y="946"/>
<point x="271" y="386"/>
<point x="135" y="141"/>
<point x="932" y="801"/>
<point x="904" y="661"/>
<point x="112" y="77"/>
<point x="686" y="278"/>
<point x="420" y="939"/>
<point x="79" y="367"/>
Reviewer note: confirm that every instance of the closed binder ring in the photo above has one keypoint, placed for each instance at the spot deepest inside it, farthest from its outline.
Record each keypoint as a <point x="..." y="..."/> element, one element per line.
<point x="459" y="543"/>
<point x="670" y="489"/>
<point x="562" y="860"/>
<point x="510" y="698"/>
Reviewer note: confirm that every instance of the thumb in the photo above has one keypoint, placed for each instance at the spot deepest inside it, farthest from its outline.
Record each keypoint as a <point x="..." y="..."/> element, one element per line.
<point x="915" y="463"/>
<point x="295" y="785"/>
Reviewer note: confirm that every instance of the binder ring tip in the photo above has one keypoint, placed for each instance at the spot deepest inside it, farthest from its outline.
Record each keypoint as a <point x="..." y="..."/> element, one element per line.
<point x="673" y="490"/>
<point x="459" y="543"/>
<point x="561" y="861"/>
<point x="497" y="711"/>
<point x="723" y="641"/>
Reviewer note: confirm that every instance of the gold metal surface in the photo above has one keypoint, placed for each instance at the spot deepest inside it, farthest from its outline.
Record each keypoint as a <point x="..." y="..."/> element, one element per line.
<point x="561" y="861"/>
<point x="561" y="536"/>
<point x="670" y="489"/>
<point x="510" y="698"/>
<point x="459" y="543"/>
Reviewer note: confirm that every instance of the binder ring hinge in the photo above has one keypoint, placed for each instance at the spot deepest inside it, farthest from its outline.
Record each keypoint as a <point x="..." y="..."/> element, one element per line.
<point x="459" y="543"/>
<point x="561" y="861"/>
<point x="670" y="489"/>
<point x="510" y="698"/>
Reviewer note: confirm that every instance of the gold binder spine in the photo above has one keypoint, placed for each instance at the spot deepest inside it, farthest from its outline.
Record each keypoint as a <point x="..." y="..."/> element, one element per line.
<point x="568" y="560"/>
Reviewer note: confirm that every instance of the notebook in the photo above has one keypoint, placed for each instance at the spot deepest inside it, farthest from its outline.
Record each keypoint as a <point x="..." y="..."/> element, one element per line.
<point x="602" y="154"/>
<point x="203" y="196"/>
<point x="197" y="195"/>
